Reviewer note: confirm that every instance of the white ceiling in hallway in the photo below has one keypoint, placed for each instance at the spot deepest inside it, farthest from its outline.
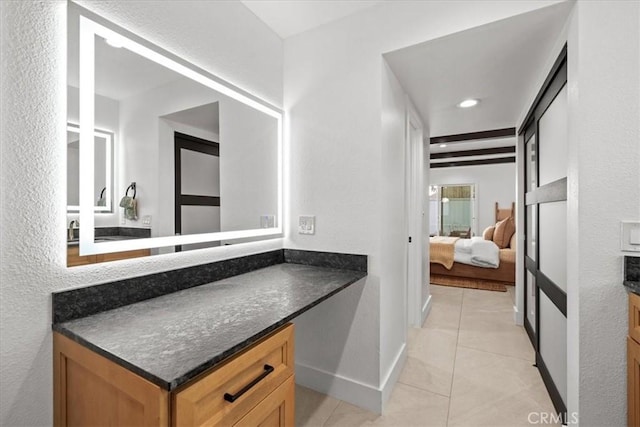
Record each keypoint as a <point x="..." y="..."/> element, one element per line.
<point x="497" y="63"/>
<point x="290" y="17"/>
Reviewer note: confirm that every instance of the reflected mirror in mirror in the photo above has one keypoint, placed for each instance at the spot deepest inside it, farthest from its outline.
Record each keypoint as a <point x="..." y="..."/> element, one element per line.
<point x="205" y="158"/>
<point x="102" y="170"/>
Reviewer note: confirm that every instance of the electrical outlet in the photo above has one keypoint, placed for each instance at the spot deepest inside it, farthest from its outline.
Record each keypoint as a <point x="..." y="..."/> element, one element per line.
<point x="307" y="224"/>
<point x="146" y="220"/>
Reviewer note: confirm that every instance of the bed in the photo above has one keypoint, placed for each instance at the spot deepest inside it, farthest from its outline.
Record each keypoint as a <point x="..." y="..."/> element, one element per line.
<point x="506" y="271"/>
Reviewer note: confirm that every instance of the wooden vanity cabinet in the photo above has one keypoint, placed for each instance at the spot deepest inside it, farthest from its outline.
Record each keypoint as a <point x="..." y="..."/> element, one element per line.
<point x="74" y="259"/>
<point x="92" y="390"/>
<point x="633" y="362"/>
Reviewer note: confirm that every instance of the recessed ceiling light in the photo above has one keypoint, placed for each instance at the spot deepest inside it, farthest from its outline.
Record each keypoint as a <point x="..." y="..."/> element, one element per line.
<point x="443" y="145"/>
<point x="467" y="103"/>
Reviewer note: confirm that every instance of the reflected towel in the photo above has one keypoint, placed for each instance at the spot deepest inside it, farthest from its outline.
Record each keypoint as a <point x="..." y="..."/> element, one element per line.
<point x="131" y="212"/>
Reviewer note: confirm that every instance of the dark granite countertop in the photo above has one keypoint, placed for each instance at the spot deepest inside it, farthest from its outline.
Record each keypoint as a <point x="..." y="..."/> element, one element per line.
<point x="173" y="338"/>
<point x="632" y="273"/>
<point x="632" y="286"/>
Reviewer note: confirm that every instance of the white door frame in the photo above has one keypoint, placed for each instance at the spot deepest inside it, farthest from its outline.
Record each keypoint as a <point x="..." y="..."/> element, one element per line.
<point x="414" y="210"/>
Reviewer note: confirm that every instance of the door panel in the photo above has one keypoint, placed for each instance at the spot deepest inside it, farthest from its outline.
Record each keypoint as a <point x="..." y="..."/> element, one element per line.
<point x="552" y="136"/>
<point x="531" y="300"/>
<point x="200" y="173"/>
<point x="197" y="188"/>
<point x="553" y="343"/>
<point x="553" y="242"/>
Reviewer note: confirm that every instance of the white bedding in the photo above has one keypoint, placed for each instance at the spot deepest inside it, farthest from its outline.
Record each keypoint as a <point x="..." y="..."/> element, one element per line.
<point x="478" y="252"/>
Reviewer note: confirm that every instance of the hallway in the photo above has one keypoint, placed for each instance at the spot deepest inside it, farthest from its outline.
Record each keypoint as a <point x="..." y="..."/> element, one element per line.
<point x="468" y="366"/>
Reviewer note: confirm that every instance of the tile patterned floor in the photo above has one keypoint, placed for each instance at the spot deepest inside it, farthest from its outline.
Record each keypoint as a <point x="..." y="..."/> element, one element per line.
<point x="469" y="365"/>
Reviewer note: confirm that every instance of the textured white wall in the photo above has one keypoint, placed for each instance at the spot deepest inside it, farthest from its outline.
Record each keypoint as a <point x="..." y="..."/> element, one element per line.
<point x="332" y="81"/>
<point x="494" y="183"/>
<point x="222" y="37"/>
<point x="604" y="183"/>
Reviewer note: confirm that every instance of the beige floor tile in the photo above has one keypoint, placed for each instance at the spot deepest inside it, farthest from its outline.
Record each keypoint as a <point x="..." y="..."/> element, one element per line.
<point x="347" y="415"/>
<point x="430" y="359"/>
<point x="479" y="299"/>
<point x="313" y="408"/>
<point x="494" y="390"/>
<point x="445" y="308"/>
<point x="407" y="407"/>
<point x="493" y="330"/>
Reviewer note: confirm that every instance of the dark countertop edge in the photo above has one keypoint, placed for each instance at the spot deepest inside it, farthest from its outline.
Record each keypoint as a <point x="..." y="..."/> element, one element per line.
<point x="632" y="286"/>
<point x="175" y="383"/>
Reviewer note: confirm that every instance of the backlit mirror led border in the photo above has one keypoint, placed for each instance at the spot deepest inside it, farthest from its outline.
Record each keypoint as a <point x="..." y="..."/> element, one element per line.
<point x="89" y="29"/>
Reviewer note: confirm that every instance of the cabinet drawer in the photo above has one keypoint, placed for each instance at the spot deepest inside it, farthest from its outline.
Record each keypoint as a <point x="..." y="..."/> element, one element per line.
<point x="276" y="410"/>
<point x="203" y="402"/>
<point x="634" y="317"/>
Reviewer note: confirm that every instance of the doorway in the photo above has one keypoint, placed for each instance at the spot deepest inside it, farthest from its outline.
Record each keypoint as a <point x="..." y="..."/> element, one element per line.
<point x="452" y="210"/>
<point x="415" y="274"/>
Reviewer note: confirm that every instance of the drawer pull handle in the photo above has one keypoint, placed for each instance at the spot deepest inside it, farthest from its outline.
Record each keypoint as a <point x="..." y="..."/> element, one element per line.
<point x="233" y="397"/>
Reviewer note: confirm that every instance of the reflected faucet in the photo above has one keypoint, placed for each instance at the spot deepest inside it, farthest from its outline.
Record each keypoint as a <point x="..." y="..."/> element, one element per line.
<point x="73" y="223"/>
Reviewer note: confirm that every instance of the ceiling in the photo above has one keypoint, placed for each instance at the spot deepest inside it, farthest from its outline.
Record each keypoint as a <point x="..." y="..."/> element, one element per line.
<point x="205" y="117"/>
<point x="289" y="17"/>
<point x="498" y="63"/>
<point x="119" y="73"/>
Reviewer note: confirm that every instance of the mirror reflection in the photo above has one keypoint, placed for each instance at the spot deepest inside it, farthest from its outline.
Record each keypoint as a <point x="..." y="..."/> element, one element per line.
<point x="199" y="160"/>
<point x="102" y="167"/>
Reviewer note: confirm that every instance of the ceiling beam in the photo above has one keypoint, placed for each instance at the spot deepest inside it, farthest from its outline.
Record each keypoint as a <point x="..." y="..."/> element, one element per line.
<point x="472" y="136"/>
<point x="480" y="152"/>
<point x="474" y="162"/>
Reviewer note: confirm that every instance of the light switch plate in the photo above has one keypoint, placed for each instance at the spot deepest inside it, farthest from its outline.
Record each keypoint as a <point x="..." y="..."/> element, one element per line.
<point x="307" y="224"/>
<point x="146" y="220"/>
<point x="630" y="236"/>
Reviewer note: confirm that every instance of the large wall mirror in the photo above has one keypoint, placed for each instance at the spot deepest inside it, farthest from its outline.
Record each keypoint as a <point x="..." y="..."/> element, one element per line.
<point x="185" y="159"/>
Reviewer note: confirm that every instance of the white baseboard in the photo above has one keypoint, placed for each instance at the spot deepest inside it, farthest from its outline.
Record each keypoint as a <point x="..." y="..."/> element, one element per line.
<point x="426" y="309"/>
<point x="353" y="391"/>
<point x="518" y="316"/>
<point x="391" y="379"/>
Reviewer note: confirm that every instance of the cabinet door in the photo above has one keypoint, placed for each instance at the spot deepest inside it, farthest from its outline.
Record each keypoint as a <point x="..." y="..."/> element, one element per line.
<point x="633" y="382"/>
<point x="90" y="390"/>
<point x="634" y="316"/>
<point x="276" y="410"/>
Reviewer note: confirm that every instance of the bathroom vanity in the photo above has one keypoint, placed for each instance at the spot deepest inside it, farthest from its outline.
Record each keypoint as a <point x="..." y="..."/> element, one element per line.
<point x="632" y="283"/>
<point x="205" y="345"/>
